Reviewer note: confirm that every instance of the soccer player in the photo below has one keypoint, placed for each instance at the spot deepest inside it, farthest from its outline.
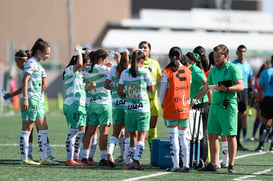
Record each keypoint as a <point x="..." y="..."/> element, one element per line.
<point x="155" y="70"/>
<point x="133" y="85"/>
<point x="175" y="101"/>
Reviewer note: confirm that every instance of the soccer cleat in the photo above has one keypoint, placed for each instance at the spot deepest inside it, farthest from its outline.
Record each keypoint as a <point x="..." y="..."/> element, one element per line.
<point x="119" y="159"/>
<point x="135" y="165"/>
<point x="209" y="167"/>
<point x="126" y="166"/>
<point x="260" y="149"/>
<point x="81" y="163"/>
<point x="110" y="160"/>
<point x="72" y="163"/>
<point x="90" y="161"/>
<point x="103" y="162"/>
<point x="185" y="169"/>
<point x="29" y="162"/>
<point x="224" y="165"/>
<point x="173" y="169"/>
<point x="231" y="169"/>
<point x="52" y="158"/>
<point x="48" y="161"/>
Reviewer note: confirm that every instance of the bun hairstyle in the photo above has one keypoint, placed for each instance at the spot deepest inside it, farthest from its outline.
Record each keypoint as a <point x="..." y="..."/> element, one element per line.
<point x="175" y="55"/>
<point x="136" y="57"/>
<point x="22" y="54"/>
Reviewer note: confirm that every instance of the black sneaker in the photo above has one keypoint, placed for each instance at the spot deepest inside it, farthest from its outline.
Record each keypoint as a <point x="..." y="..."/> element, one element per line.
<point x="201" y="164"/>
<point x="231" y="169"/>
<point x="173" y="169"/>
<point x="84" y="160"/>
<point x="259" y="149"/>
<point x="135" y="165"/>
<point x="209" y="167"/>
<point x="185" y="170"/>
<point x="241" y="148"/>
<point x="103" y="162"/>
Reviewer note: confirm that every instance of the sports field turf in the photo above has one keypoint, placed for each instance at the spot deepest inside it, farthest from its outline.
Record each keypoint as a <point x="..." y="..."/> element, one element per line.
<point x="249" y="165"/>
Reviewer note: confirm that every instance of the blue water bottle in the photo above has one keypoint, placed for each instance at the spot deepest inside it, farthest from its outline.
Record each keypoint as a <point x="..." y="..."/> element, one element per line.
<point x="5" y="96"/>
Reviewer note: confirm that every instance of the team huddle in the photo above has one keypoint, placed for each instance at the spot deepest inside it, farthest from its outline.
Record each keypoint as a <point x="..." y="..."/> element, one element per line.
<point x="99" y="95"/>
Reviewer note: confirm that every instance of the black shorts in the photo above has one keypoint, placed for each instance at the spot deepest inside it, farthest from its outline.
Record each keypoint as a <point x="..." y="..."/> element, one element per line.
<point x="267" y="107"/>
<point x="242" y="99"/>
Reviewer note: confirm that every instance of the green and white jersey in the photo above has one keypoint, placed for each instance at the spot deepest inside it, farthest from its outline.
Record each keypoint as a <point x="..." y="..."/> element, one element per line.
<point x="74" y="87"/>
<point x="117" y="101"/>
<point x="135" y="89"/>
<point x="34" y="68"/>
<point x="98" y="95"/>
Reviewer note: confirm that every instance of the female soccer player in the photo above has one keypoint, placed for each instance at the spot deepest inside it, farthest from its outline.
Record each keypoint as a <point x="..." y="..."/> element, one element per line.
<point x="133" y="85"/>
<point x="175" y="100"/>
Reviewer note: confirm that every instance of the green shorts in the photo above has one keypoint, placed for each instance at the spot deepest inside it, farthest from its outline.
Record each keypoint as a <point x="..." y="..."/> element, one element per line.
<point x="99" y="114"/>
<point x="31" y="113"/>
<point x="154" y="107"/>
<point x="137" y="121"/>
<point x="75" y="115"/>
<point x="41" y="110"/>
<point x="118" y="115"/>
<point x="177" y="122"/>
<point x="223" y="121"/>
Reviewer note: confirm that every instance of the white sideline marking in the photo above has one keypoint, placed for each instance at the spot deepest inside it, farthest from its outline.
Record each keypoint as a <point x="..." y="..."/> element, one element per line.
<point x="163" y="173"/>
<point x="33" y="145"/>
<point x="147" y="176"/>
<point x="246" y="177"/>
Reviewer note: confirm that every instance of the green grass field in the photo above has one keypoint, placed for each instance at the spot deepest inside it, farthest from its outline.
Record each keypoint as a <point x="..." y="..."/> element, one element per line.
<point x="249" y="165"/>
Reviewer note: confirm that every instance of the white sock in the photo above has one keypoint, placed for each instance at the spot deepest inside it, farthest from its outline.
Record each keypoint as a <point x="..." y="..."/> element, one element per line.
<point x="93" y="146"/>
<point x="184" y="146"/>
<point x="121" y="140"/>
<point x="70" y="141"/>
<point x="103" y="154"/>
<point x="112" y="144"/>
<point x="139" y="150"/>
<point x="23" y="140"/>
<point x="77" y="144"/>
<point x="126" y="155"/>
<point x="85" y="153"/>
<point x="225" y="152"/>
<point x="29" y="150"/>
<point x="174" y="146"/>
<point x="132" y="151"/>
<point x="48" y="150"/>
<point x="42" y="142"/>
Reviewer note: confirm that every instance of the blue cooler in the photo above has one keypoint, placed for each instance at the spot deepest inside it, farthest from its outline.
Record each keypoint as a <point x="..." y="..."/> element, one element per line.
<point x="155" y="151"/>
<point x="164" y="159"/>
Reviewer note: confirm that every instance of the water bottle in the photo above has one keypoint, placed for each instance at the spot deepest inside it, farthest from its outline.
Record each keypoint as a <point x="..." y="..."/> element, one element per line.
<point x="5" y="96"/>
<point x="112" y="53"/>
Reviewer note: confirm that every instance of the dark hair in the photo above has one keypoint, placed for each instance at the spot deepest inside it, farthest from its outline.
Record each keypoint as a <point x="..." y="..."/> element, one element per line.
<point x="144" y="42"/>
<point x="240" y="47"/>
<point x="123" y="63"/>
<point x="204" y="63"/>
<point x="136" y="57"/>
<point x="40" y="44"/>
<point x="261" y="69"/>
<point x="272" y="59"/>
<point x="94" y="57"/>
<point x="74" y="60"/>
<point x="211" y="60"/>
<point x="175" y="54"/>
<point x="22" y="54"/>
